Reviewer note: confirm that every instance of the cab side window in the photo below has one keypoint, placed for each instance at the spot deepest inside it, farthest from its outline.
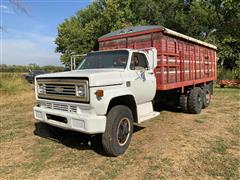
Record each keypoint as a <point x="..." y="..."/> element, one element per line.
<point x="138" y="62"/>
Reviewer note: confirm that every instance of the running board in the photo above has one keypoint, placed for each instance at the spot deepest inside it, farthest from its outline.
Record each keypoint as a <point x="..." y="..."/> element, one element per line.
<point x="148" y="116"/>
<point x="145" y="112"/>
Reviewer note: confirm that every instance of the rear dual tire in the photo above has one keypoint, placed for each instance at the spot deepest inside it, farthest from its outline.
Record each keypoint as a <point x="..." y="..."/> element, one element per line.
<point x="183" y="102"/>
<point x="196" y="100"/>
<point x="206" y="97"/>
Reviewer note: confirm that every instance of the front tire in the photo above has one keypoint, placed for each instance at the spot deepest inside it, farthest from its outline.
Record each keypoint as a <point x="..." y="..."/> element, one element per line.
<point x="195" y="101"/>
<point x="118" y="132"/>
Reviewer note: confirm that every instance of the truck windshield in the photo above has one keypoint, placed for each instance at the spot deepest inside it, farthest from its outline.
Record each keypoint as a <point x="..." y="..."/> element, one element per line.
<point x="105" y="59"/>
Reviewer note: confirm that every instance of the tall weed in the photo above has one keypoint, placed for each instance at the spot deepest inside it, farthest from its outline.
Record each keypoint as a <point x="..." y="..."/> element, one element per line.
<point x="13" y="82"/>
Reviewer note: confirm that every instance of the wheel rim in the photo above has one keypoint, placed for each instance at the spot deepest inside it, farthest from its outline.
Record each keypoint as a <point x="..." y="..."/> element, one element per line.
<point x="123" y="131"/>
<point x="199" y="98"/>
<point x="208" y="96"/>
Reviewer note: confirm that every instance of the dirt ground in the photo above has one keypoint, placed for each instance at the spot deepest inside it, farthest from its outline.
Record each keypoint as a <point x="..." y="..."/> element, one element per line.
<point x="172" y="146"/>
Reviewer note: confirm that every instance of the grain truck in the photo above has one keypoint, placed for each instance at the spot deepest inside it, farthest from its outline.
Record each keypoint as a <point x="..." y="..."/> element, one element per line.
<point x="117" y="86"/>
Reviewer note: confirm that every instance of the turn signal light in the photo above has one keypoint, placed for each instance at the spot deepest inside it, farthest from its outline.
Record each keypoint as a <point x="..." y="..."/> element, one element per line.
<point x="99" y="93"/>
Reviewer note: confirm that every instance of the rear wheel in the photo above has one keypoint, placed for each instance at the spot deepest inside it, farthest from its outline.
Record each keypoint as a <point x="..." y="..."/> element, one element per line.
<point x="183" y="102"/>
<point x="195" y="101"/>
<point x="118" y="132"/>
<point x="206" y="97"/>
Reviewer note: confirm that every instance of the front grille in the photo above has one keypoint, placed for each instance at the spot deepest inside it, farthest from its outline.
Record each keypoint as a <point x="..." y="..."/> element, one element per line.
<point x="60" y="107"/>
<point x="63" y="89"/>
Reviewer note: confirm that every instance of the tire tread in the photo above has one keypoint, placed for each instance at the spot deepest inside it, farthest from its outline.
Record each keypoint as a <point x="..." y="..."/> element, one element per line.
<point x="184" y="103"/>
<point x="193" y="105"/>
<point x="107" y="136"/>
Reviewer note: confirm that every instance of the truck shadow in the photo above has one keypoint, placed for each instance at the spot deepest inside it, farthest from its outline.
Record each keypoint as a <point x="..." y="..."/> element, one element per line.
<point x="170" y="108"/>
<point x="75" y="140"/>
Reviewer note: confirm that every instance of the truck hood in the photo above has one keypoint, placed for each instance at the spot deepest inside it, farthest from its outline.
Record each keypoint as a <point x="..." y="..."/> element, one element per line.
<point x="97" y="77"/>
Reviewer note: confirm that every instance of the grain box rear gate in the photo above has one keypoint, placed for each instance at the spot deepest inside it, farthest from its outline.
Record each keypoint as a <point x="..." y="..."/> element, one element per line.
<point x="182" y="61"/>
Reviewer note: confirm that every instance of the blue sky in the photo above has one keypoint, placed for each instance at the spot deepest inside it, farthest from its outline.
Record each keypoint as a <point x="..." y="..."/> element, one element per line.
<point x="30" y="39"/>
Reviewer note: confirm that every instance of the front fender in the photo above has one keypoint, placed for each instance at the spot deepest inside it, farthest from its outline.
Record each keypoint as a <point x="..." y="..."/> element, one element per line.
<point x="101" y="104"/>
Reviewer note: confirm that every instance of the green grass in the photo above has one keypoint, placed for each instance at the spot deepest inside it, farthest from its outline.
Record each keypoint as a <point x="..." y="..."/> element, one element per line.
<point x="219" y="146"/>
<point x="172" y="146"/>
<point x="200" y="121"/>
<point x="163" y="165"/>
<point x="116" y="166"/>
<point x="216" y="161"/>
<point x="41" y="155"/>
<point x="13" y="82"/>
<point x="216" y="165"/>
<point x="228" y="93"/>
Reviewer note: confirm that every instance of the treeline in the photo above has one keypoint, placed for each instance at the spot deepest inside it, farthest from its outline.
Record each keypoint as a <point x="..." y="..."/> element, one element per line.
<point x="213" y="21"/>
<point x="31" y="67"/>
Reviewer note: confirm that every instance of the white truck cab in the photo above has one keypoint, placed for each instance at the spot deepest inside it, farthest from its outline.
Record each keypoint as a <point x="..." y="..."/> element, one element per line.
<point x="107" y="93"/>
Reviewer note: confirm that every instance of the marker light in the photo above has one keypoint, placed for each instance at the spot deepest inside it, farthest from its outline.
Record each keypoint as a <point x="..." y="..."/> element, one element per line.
<point x="99" y="93"/>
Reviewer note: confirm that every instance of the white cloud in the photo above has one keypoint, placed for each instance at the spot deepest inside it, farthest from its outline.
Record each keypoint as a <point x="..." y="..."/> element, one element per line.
<point x="3" y="7"/>
<point x="27" y="47"/>
<point x="6" y="9"/>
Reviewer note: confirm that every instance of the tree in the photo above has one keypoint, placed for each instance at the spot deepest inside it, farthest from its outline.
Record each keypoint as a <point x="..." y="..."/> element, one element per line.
<point x="214" y="21"/>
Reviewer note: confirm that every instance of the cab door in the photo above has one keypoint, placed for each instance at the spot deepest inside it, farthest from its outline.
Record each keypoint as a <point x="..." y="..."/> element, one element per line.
<point x="142" y="78"/>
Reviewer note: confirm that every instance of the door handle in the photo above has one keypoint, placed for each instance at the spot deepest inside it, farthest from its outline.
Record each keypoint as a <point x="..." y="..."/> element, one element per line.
<point x="150" y="72"/>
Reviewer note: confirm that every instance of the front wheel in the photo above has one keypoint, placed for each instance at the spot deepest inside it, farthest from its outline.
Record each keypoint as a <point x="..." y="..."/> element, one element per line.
<point x="118" y="132"/>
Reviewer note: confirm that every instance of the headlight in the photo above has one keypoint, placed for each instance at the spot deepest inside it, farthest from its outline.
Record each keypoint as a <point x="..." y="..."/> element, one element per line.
<point x="81" y="90"/>
<point x="41" y="89"/>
